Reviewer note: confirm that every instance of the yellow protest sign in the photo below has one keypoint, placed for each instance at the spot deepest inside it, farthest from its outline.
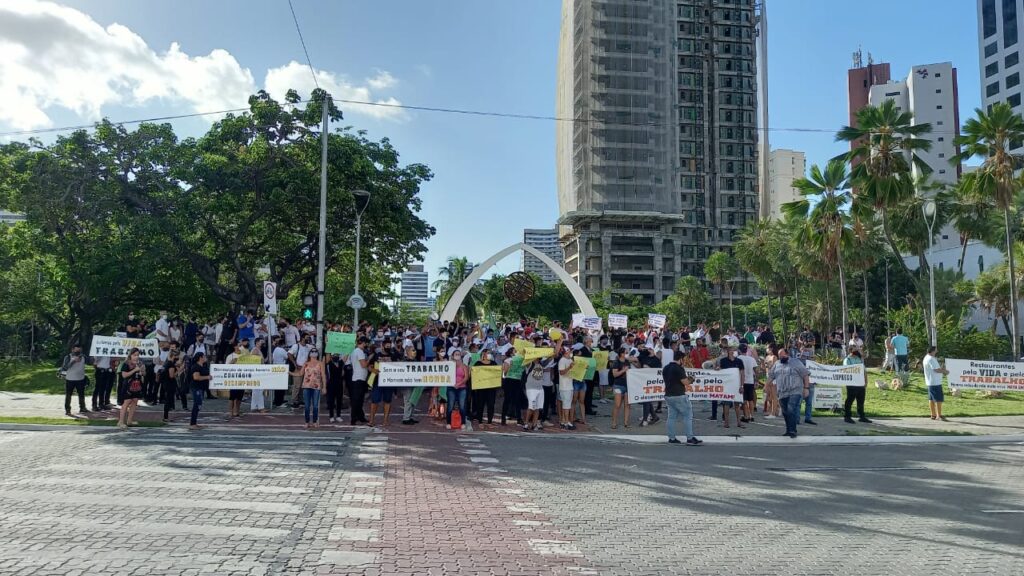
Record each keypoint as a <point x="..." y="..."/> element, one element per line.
<point x="601" y="356"/>
<point x="485" y="377"/>
<point x="521" y="345"/>
<point x="555" y="334"/>
<point x="530" y="354"/>
<point x="579" y="368"/>
<point x="249" y="359"/>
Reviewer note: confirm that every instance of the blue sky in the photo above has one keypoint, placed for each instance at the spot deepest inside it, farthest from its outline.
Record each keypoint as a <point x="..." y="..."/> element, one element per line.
<point x="494" y="176"/>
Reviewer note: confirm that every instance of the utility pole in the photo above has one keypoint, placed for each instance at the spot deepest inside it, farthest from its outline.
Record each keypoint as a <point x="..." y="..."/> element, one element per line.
<point x="322" y="246"/>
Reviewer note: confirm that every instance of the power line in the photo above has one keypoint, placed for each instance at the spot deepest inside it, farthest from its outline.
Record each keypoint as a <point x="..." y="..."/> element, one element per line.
<point x="303" y="42"/>
<point x="460" y="111"/>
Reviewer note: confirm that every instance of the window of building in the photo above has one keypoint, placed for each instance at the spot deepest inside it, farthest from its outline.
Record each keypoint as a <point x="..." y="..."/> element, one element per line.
<point x="990" y="50"/>
<point x="731" y="202"/>
<point x="942" y="171"/>
<point x="892" y="93"/>
<point x="942" y="155"/>
<point x="988" y="17"/>
<point x="938" y="90"/>
<point x="991" y="69"/>
<point x="992" y="89"/>
<point x="938" y="107"/>
<point x="1009" y="23"/>
<point x="941" y="139"/>
<point x="1014" y="100"/>
<point x="1011" y="59"/>
<point x="1013" y="79"/>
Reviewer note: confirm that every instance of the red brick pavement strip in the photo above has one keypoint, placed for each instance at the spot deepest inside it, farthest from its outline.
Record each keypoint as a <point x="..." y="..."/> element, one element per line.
<point x="441" y="515"/>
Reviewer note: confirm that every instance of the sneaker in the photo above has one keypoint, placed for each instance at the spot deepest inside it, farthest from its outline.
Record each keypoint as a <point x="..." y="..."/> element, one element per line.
<point x="675" y="441"/>
<point x="410" y="422"/>
<point x="694" y="441"/>
<point x="571" y="426"/>
<point x="864" y="420"/>
<point x="414" y="421"/>
<point x="446" y="426"/>
<point x="643" y="423"/>
<point x="655" y="420"/>
<point x="713" y="417"/>
<point x="849" y="420"/>
<point x="811" y="422"/>
<point x="770" y="417"/>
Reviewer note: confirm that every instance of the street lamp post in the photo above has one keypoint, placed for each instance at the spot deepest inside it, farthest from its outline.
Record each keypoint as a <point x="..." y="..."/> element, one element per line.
<point x="362" y="198"/>
<point x="929" y="218"/>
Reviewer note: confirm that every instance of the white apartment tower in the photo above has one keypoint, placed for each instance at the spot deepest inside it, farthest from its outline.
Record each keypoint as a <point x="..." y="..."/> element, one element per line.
<point x="414" y="287"/>
<point x="784" y="166"/>
<point x="999" y="51"/>
<point x="546" y="241"/>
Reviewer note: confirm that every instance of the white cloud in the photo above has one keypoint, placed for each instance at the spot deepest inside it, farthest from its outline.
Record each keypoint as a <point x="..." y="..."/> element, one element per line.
<point x="57" y="57"/>
<point x="296" y="76"/>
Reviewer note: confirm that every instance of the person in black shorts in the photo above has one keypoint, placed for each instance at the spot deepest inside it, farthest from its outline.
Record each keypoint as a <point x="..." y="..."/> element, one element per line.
<point x="731" y="361"/>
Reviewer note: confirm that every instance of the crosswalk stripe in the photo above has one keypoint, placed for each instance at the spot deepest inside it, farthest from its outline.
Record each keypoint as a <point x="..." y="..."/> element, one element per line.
<point x="208" y="486"/>
<point x="247" y="451"/>
<point x="48" y="522"/>
<point x="221" y="442"/>
<point x="198" y="470"/>
<point x="65" y="497"/>
<point x="348" y="558"/>
<point x="358" y="513"/>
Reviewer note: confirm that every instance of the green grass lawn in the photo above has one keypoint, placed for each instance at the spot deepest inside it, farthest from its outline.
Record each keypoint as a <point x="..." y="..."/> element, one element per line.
<point x="40" y="378"/>
<point x="913" y="400"/>
<point x="72" y="421"/>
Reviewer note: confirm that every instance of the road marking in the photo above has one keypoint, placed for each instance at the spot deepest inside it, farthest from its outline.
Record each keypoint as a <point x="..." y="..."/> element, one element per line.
<point x="555" y="547"/>
<point x="129" y="557"/>
<point x="483" y="460"/>
<point x="358" y="513"/>
<point x="847" y="469"/>
<point x="523" y="508"/>
<point x="531" y="523"/>
<point x="1003" y="511"/>
<point x="371" y="475"/>
<point x="367" y="484"/>
<point x="141" y="501"/>
<point x="353" y="534"/>
<point x="275" y="446"/>
<point x="363" y="498"/>
<point x="348" y="558"/>
<point x="247" y="461"/>
<point x="493" y="469"/>
<point x="256" y="438"/>
<point x="138" y="527"/>
<point x="199" y="486"/>
<point x="199" y="470"/>
<point x="515" y="491"/>
<point x="478" y="452"/>
<point x="243" y="452"/>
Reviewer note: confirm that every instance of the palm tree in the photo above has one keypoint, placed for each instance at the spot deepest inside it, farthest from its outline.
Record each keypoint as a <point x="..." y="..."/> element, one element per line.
<point x="691" y="295"/>
<point x="990" y="136"/>
<point x="885" y="146"/>
<point x="720" y="269"/>
<point x="991" y="292"/>
<point x="449" y="279"/>
<point x="973" y="217"/>
<point x="827" y="221"/>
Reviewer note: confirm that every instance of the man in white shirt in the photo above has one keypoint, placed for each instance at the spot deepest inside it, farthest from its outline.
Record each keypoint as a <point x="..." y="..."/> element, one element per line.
<point x="933" y="373"/>
<point x="290" y="333"/>
<point x="299" y="354"/>
<point x="360" y="374"/>
<point x="749" y="383"/>
<point x="163" y="329"/>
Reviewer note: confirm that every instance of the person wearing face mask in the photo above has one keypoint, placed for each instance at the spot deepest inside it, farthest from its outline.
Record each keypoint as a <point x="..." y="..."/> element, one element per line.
<point x="484" y="399"/>
<point x="792" y="382"/>
<point x="299" y="354"/>
<point x="131" y="327"/>
<point x="335" y="384"/>
<point x="360" y="375"/>
<point x="855" y="392"/>
<point x="412" y="395"/>
<point x="312" y="383"/>
<point x="163" y="328"/>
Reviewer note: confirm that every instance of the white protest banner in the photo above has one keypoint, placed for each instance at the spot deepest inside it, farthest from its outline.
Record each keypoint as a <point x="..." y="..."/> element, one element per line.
<point x="826" y="375"/>
<point x="656" y="320"/>
<point x="715" y="385"/>
<point x="412" y="374"/>
<point x="116" y="347"/>
<point x="618" y="320"/>
<point x="985" y="374"/>
<point x="828" y="398"/>
<point x="591" y="322"/>
<point x="644" y="385"/>
<point x="249" y="376"/>
<point x="577" y="319"/>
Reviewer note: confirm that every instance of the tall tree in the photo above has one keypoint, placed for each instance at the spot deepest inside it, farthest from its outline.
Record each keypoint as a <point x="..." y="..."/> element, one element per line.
<point x="991" y="136"/>
<point x="974" y="217"/>
<point x="448" y="280"/>
<point x="992" y="292"/>
<point x="824" y="209"/>
<point x="762" y="249"/>
<point x="886" y="143"/>
<point x="721" y="269"/>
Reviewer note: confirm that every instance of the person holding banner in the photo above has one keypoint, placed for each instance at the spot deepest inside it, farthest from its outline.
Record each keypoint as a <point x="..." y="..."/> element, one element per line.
<point x="565" y="388"/>
<point x="412" y="395"/>
<point x="793" y="382"/>
<point x="933" y="372"/>
<point x="676" y="381"/>
<point x="132" y="372"/>
<point x="511" y="382"/>
<point x="484" y="399"/>
<point x="360" y="375"/>
<point x="854" y="392"/>
<point x="379" y="394"/>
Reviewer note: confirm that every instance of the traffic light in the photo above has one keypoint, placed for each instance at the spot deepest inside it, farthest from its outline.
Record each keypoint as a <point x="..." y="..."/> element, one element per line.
<point x="307" y="307"/>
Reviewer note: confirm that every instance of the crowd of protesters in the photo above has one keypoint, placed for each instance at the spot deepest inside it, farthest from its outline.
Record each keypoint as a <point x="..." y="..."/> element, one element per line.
<point x="533" y="395"/>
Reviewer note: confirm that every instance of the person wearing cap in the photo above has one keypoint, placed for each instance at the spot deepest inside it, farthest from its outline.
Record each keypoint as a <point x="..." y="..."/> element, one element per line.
<point x="360" y="374"/>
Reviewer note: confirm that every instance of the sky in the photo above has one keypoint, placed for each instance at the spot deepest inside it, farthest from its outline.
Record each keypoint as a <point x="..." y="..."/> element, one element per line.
<point x="73" y="62"/>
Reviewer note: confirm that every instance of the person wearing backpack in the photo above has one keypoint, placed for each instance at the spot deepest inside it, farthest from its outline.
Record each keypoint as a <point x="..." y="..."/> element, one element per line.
<point x="73" y="372"/>
<point x="132" y="373"/>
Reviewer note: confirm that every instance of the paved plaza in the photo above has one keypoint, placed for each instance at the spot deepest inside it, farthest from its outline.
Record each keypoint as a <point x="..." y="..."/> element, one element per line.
<point x="167" y="502"/>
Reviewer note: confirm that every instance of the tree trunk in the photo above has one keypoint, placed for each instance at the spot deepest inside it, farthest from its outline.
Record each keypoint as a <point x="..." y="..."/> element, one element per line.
<point x="721" y="304"/>
<point x="896" y="250"/>
<point x="842" y="284"/>
<point x="799" y="316"/>
<point x="963" y="253"/>
<point x="867" y="309"/>
<point x="1013" y="283"/>
<point x="732" y="320"/>
<point x="782" y="312"/>
<point x="828" y="306"/>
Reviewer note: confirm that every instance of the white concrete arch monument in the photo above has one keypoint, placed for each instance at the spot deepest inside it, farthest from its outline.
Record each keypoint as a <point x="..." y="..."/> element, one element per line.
<point x="451" y="308"/>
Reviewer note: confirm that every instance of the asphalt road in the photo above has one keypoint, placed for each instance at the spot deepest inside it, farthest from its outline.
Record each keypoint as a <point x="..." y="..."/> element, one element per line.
<point x="249" y="503"/>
